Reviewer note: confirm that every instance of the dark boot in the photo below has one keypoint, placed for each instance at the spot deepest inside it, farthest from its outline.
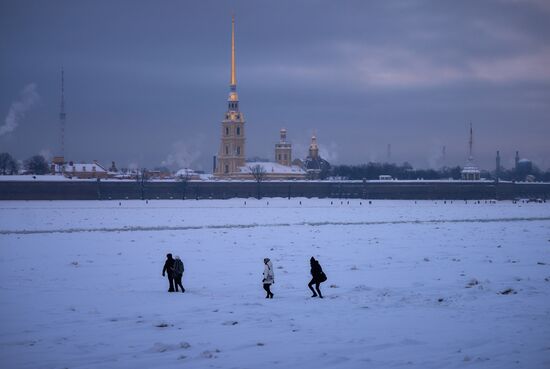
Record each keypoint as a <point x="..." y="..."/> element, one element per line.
<point x="319" y="291"/>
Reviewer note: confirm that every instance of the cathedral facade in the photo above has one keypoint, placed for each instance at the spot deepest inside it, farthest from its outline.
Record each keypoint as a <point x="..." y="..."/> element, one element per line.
<point x="230" y="163"/>
<point x="231" y="154"/>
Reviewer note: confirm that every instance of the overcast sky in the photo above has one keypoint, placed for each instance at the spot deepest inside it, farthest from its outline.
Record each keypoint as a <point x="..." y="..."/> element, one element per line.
<point x="147" y="81"/>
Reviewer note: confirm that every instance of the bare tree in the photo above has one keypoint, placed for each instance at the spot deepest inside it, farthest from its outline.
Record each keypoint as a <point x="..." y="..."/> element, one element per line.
<point x="141" y="178"/>
<point x="8" y="165"/>
<point x="259" y="174"/>
<point x="37" y="165"/>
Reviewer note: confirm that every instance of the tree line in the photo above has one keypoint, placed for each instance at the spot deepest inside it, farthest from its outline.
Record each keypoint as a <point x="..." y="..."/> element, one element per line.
<point x="37" y="164"/>
<point x="405" y="171"/>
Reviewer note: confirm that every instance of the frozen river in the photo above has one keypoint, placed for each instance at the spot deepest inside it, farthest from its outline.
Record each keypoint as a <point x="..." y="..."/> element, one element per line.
<point x="421" y="284"/>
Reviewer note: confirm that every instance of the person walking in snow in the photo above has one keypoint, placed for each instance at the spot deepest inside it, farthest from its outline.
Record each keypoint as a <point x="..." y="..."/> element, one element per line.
<point x="318" y="277"/>
<point x="269" y="278"/>
<point x="178" y="273"/>
<point x="169" y="269"/>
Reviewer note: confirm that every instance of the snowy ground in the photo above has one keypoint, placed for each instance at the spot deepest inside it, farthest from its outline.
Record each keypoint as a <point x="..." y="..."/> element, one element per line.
<point x="413" y="285"/>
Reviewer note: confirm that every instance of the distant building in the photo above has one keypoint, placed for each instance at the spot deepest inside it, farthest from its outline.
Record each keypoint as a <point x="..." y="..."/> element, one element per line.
<point x="525" y="165"/>
<point x="315" y="166"/>
<point x="113" y="168"/>
<point x="283" y="150"/>
<point x="230" y="162"/>
<point x="273" y="171"/>
<point x="471" y="172"/>
<point x="159" y="174"/>
<point x="231" y="154"/>
<point x="86" y="170"/>
<point x="57" y="165"/>
<point x="187" y="174"/>
<point x="524" y="169"/>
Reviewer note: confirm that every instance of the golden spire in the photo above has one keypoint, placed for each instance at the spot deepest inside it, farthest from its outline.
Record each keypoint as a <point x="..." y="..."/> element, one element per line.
<point x="233" y="81"/>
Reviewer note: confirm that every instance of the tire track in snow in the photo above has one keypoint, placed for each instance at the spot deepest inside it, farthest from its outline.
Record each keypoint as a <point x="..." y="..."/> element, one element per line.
<point x="265" y="225"/>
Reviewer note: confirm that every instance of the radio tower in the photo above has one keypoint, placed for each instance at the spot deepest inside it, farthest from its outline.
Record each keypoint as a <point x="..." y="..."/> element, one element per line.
<point x="58" y="162"/>
<point x="62" y="114"/>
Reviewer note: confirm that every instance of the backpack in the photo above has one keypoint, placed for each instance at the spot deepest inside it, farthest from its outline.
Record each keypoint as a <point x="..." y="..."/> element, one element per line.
<point x="178" y="267"/>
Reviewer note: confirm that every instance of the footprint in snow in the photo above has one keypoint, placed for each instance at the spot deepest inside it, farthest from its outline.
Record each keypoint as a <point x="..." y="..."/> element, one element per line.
<point x="508" y="291"/>
<point x="210" y="354"/>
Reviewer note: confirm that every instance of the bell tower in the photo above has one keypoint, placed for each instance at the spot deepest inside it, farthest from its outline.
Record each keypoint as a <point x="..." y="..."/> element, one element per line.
<point x="283" y="150"/>
<point x="313" y="148"/>
<point x="231" y="154"/>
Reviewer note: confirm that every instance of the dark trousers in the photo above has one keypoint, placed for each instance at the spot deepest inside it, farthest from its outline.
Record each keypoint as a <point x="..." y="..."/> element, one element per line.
<point x="317" y="284"/>
<point x="171" y="281"/>
<point x="267" y="288"/>
<point x="177" y="279"/>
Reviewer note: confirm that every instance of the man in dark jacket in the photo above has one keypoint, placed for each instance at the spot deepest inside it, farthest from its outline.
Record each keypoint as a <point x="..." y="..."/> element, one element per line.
<point x="178" y="273"/>
<point x="169" y="269"/>
<point x="318" y="277"/>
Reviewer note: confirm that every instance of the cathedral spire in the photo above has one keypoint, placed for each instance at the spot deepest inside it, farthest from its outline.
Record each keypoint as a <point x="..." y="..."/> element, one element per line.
<point x="233" y="101"/>
<point x="233" y="80"/>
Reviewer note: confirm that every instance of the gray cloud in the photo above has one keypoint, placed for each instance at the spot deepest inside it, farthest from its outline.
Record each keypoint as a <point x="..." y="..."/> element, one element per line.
<point x="364" y="74"/>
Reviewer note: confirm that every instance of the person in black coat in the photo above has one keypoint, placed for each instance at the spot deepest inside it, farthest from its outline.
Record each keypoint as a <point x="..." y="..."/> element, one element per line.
<point x="169" y="269"/>
<point x="178" y="273"/>
<point x="318" y="277"/>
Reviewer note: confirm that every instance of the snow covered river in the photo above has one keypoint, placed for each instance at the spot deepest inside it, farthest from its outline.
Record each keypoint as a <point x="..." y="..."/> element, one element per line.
<point x="425" y="284"/>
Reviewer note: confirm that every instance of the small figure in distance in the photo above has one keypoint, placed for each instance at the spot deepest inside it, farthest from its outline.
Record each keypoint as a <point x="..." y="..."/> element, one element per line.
<point x="269" y="278"/>
<point x="178" y="273"/>
<point x="318" y="277"/>
<point x="169" y="269"/>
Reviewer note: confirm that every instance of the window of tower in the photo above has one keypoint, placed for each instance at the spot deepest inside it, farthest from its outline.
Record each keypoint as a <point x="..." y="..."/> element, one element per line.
<point x="284" y="156"/>
<point x="238" y="150"/>
<point x="227" y="150"/>
<point x="226" y="168"/>
<point x="238" y="131"/>
<point x="227" y="131"/>
<point x="279" y="157"/>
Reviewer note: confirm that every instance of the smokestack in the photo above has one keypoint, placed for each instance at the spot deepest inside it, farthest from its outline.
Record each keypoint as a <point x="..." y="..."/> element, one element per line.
<point x="214" y="164"/>
<point x="517" y="159"/>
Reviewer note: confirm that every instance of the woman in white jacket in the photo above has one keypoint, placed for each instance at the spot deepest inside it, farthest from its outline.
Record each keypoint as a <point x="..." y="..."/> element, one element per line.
<point x="269" y="278"/>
